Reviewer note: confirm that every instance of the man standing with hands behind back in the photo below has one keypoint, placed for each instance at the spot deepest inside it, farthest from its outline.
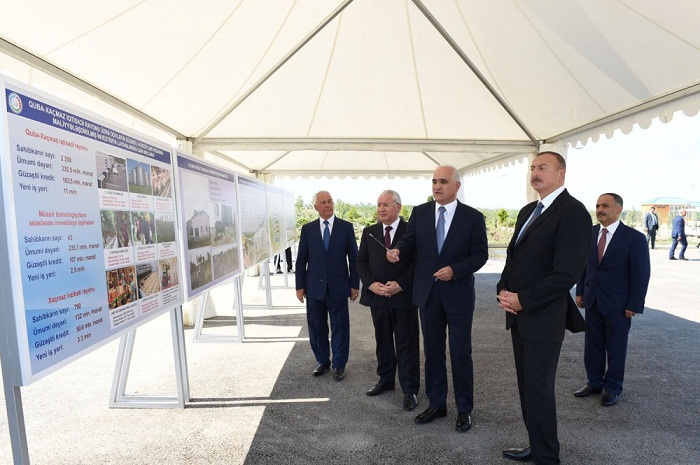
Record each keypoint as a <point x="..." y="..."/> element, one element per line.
<point x="545" y="258"/>
<point x="612" y="288"/>
<point x="387" y="289"/>
<point x="450" y="240"/>
<point x="326" y="275"/>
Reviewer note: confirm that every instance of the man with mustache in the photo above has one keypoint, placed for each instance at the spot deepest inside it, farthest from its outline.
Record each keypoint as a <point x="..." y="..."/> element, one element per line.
<point x="545" y="258"/>
<point x="612" y="288"/>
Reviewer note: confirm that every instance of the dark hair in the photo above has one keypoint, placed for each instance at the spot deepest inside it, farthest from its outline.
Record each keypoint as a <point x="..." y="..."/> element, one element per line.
<point x="618" y="199"/>
<point x="560" y="159"/>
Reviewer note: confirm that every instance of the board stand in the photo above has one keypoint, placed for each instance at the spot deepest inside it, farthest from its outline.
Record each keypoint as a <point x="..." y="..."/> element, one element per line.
<point x="15" y="412"/>
<point x="119" y="398"/>
<point x="199" y="335"/>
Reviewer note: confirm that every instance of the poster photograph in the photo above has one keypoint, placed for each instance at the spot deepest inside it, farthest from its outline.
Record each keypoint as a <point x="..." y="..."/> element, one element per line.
<point x="254" y="222"/>
<point x="209" y="212"/>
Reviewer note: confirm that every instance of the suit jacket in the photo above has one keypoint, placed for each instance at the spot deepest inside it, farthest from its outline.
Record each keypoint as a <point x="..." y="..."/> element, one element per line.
<point x="678" y="227"/>
<point x="373" y="266"/>
<point x="465" y="249"/>
<point x="649" y="221"/>
<point x="621" y="279"/>
<point x="333" y="271"/>
<point x="545" y="265"/>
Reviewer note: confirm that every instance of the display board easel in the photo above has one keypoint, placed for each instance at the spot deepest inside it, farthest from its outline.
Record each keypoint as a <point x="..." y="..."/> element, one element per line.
<point x="119" y="398"/>
<point x="200" y="336"/>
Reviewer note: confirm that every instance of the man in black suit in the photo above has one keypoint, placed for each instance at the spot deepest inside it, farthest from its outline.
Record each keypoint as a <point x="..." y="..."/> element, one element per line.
<point x="651" y="223"/>
<point x="386" y="289"/>
<point x="326" y="275"/>
<point x="450" y="240"/>
<point x="545" y="258"/>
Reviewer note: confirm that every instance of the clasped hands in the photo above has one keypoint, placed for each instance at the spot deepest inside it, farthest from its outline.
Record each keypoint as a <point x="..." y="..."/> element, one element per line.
<point x="385" y="290"/>
<point x="509" y="301"/>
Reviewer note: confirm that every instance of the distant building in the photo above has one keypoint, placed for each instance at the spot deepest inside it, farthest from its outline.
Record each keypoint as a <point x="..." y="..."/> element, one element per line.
<point x="198" y="228"/>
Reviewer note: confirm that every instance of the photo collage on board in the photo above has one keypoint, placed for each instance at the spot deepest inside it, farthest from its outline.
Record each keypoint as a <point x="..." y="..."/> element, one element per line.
<point x="137" y="217"/>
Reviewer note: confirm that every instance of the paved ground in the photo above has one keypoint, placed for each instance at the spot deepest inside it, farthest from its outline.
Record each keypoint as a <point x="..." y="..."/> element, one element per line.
<point x="257" y="403"/>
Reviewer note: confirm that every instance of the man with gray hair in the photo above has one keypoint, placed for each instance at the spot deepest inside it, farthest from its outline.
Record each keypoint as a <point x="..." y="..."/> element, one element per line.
<point x="386" y="289"/>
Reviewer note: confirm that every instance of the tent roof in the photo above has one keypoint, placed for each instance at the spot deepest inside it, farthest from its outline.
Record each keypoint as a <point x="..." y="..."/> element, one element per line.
<point x="347" y="87"/>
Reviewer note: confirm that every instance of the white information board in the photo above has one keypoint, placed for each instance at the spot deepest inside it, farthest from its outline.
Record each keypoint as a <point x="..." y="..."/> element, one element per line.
<point x="275" y="211"/>
<point x="255" y="234"/>
<point x="91" y="228"/>
<point x="290" y="218"/>
<point x="211" y="228"/>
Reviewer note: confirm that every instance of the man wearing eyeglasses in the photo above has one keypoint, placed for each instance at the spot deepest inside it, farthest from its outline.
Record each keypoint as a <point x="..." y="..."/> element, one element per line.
<point x="387" y="289"/>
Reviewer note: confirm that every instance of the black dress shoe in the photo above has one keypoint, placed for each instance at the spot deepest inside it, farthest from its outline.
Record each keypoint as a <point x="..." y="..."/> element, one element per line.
<point x="609" y="399"/>
<point x="523" y="454"/>
<point x="464" y="422"/>
<point x="682" y="258"/>
<point x="672" y="258"/>
<point x="338" y="374"/>
<point x="379" y="388"/>
<point x="320" y="369"/>
<point x="587" y="390"/>
<point x="409" y="402"/>
<point x="429" y="415"/>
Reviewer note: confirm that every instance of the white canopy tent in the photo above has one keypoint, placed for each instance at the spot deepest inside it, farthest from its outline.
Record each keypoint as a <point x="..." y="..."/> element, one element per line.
<point x="355" y="87"/>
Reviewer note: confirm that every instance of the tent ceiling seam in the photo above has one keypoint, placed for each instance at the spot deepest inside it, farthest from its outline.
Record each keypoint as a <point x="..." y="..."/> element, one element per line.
<point x="195" y="54"/>
<point x="275" y="68"/>
<point x="475" y="70"/>
<point x="91" y="30"/>
<point x="34" y="61"/>
<point x="256" y="67"/>
<point x="275" y="160"/>
<point x="415" y="70"/>
<point x="329" y="63"/>
<point x="478" y="50"/>
<point x="559" y="60"/>
<point x="659" y="26"/>
<point x="616" y="117"/>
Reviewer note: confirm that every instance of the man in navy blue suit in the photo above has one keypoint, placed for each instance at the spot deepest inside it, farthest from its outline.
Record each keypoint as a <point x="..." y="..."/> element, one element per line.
<point x="450" y="240"/>
<point x="327" y="275"/>
<point x="612" y="288"/>
<point x="678" y="235"/>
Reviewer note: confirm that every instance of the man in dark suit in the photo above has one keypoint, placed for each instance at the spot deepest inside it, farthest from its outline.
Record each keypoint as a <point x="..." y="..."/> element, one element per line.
<point x="545" y="258"/>
<point x="678" y="235"/>
<point x="651" y="223"/>
<point x="612" y="288"/>
<point x="386" y="289"/>
<point x="450" y="240"/>
<point x="326" y="275"/>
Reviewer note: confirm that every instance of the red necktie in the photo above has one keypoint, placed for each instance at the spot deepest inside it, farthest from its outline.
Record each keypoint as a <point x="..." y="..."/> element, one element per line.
<point x="601" y="244"/>
<point x="387" y="237"/>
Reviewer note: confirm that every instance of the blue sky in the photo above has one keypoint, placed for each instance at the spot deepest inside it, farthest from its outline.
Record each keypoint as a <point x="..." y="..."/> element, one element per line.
<point x="661" y="161"/>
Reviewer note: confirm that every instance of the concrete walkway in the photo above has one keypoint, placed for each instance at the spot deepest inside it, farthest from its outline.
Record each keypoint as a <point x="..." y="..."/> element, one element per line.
<point x="257" y="403"/>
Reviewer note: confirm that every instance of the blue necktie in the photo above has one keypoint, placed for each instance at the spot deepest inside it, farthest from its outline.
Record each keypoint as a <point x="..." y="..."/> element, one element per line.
<point x="537" y="212"/>
<point x="440" y="229"/>
<point x="326" y="236"/>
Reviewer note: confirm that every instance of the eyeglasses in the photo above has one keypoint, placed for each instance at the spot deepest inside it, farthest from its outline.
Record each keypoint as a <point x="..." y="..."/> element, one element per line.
<point x="385" y="205"/>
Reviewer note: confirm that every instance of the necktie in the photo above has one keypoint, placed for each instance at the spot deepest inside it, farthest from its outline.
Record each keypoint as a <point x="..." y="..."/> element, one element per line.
<point x="440" y="229"/>
<point x="601" y="244"/>
<point x="535" y="214"/>
<point x="387" y="237"/>
<point x="326" y="236"/>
